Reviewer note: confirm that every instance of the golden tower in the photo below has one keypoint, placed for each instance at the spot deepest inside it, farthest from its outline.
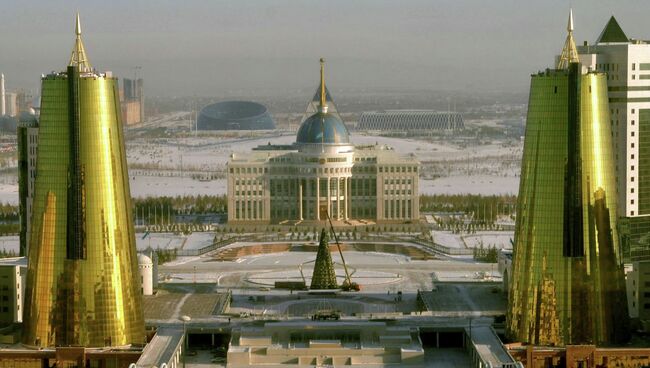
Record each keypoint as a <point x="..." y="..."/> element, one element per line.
<point x="82" y="285"/>
<point x="568" y="285"/>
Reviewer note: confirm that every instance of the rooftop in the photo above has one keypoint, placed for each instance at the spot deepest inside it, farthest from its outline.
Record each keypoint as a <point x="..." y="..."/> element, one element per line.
<point x="323" y="128"/>
<point x="612" y="33"/>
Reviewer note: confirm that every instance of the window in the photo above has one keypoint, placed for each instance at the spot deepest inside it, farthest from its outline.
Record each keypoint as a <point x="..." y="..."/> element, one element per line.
<point x="633" y="66"/>
<point x="632" y="201"/>
<point x="631" y="190"/>
<point x="633" y="111"/>
<point x="632" y="134"/>
<point x="633" y="76"/>
<point x="632" y="167"/>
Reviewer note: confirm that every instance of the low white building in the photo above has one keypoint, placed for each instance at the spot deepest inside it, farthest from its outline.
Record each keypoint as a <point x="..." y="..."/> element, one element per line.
<point x="13" y="275"/>
<point x="505" y="267"/>
<point x="363" y="344"/>
<point x="145" y="267"/>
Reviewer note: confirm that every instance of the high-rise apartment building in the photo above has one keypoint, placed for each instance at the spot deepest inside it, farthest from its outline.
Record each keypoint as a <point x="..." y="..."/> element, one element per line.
<point x="567" y="283"/>
<point x="626" y="62"/>
<point x="3" y="102"/>
<point x="82" y="281"/>
<point x="27" y="136"/>
<point x="132" y="101"/>
<point x="11" y="103"/>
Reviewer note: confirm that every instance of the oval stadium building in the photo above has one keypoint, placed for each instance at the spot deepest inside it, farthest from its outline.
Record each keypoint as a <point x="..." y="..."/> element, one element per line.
<point x="235" y="115"/>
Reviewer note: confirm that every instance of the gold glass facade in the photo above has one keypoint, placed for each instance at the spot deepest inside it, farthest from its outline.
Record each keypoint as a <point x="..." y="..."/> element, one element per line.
<point x="568" y="281"/>
<point x="82" y="283"/>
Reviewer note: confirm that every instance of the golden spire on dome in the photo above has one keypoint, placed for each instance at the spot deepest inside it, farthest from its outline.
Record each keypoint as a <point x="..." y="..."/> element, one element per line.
<point x="569" y="52"/>
<point x="323" y="93"/>
<point x="78" y="57"/>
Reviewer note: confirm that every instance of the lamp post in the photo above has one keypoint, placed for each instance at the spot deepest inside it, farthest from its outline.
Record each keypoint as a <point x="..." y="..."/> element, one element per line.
<point x="185" y="319"/>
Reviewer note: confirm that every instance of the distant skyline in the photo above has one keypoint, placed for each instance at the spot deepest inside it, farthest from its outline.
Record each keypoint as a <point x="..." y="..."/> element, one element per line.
<point x="212" y="48"/>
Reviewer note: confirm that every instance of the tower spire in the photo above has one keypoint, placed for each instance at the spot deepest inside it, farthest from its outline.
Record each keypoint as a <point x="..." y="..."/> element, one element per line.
<point x="323" y="93"/>
<point x="569" y="52"/>
<point x="78" y="57"/>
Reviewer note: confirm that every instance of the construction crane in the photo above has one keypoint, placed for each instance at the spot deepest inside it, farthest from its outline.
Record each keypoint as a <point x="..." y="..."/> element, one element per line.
<point x="348" y="284"/>
<point x="302" y="274"/>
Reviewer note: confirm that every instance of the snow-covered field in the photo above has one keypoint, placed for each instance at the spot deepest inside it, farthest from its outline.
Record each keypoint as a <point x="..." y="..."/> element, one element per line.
<point x="498" y="239"/>
<point x="152" y="186"/>
<point x="172" y="241"/>
<point x="9" y="193"/>
<point x="481" y="184"/>
<point x="10" y="243"/>
<point x="447" y="168"/>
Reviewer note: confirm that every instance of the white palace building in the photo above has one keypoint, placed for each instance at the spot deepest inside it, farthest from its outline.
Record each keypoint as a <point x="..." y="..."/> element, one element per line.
<point x="322" y="174"/>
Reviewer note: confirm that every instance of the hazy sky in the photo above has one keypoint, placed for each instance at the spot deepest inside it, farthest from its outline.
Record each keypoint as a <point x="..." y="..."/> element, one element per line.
<point x="209" y="47"/>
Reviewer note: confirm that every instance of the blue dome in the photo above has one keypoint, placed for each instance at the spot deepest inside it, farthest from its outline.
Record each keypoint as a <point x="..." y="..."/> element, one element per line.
<point x="323" y="128"/>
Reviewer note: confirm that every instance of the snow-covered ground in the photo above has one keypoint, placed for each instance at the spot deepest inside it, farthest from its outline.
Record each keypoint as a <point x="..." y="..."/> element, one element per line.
<point x="9" y="193"/>
<point x="10" y="243"/>
<point x="498" y="239"/>
<point x="455" y="167"/>
<point x="173" y="241"/>
<point x="152" y="186"/>
<point x="483" y="184"/>
<point x="447" y="168"/>
<point x="212" y="153"/>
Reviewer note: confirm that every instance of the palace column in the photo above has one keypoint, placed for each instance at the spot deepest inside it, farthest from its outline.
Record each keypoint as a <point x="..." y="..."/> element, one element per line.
<point x="346" y="198"/>
<point x="300" y="199"/>
<point x="338" y="198"/>
<point x="329" y="197"/>
<point x="317" y="198"/>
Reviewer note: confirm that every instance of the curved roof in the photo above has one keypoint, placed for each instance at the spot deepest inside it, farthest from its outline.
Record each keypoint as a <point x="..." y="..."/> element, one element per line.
<point x="323" y="128"/>
<point x="144" y="260"/>
<point x="235" y="115"/>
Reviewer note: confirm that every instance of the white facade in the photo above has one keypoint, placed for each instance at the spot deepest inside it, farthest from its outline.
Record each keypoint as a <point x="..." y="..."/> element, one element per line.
<point x="275" y="184"/>
<point x="13" y="275"/>
<point x="145" y="267"/>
